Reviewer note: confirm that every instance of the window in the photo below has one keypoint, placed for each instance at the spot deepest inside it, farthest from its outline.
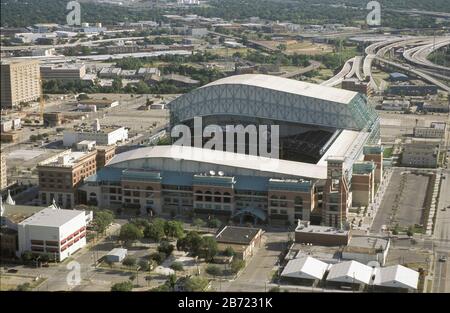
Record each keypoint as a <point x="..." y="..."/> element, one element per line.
<point x="217" y="197"/>
<point x="208" y="198"/>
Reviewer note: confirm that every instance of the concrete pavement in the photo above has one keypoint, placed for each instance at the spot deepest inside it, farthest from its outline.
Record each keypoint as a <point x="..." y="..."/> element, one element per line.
<point x="441" y="238"/>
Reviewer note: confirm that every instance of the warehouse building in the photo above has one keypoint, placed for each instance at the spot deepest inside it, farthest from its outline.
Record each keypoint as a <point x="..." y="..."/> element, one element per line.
<point x="350" y="274"/>
<point x="395" y="278"/>
<point x="305" y="271"/>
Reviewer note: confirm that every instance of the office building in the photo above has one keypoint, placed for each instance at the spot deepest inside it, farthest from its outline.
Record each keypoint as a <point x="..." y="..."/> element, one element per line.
<point x="60" y="175"/>
<point x="4" y="175"/>
<point x="58" y="232"/>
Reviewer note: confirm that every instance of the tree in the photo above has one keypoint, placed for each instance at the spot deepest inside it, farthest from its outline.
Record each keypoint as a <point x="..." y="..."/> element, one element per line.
<point x="171" y="281"/>
<point x="140" y="222"/>
<point x="129" y="261"/>
<point x="237" y="265"/>
<point x="165" y="247"/>
<point x="27" y="256"/>
<point x="117" y="84"/>
<point x="102" y="219"/>
<point x="281" y="47"/>
<point x="158" y="257"/>
<point x="177" y="266"/>
<point x="274" y="289"/>
<point x="192" y="243"/>
<point x="198" y="222"/>
<point x="24" y="287"/>
<point x="123" y="286"/>
<point x="45" y="257"/>
<point x="174" y="229"/>
<point x="196" y="283"/>
<point x="229" y="251"/>
<point x="209" y="248"/>
<point x="410" y="231"/>
<point x="144" y="265"/>
<point x="213" y="270"/>
<point x="155" y="230"/>
<point x="214" y="223"/>
<point x="130" y="233"/>
<point x="82" y="96"/>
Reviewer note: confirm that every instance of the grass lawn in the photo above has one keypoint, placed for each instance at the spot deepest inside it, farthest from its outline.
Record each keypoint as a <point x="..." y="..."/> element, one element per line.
<point x="387" y="153"/>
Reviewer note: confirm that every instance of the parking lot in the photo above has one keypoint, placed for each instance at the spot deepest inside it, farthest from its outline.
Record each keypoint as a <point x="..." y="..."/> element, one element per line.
<point x="403" y="201"/>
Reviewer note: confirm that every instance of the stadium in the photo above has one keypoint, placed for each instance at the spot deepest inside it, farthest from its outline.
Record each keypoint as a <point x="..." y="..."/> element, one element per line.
<point x="330" y="157"/>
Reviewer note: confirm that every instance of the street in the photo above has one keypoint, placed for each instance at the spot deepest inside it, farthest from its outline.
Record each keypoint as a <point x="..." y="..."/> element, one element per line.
<point x="441" y="238"/>
<point x="257" y="274"/>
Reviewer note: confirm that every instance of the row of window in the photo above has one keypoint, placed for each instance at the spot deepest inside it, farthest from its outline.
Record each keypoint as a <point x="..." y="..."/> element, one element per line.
<point x="71" y="242"/>
<point x="212" y="206"/>
<point x="82" y="229"/>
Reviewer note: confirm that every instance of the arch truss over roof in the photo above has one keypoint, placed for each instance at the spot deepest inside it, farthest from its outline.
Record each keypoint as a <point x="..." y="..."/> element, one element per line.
<point x="271" y="97"/>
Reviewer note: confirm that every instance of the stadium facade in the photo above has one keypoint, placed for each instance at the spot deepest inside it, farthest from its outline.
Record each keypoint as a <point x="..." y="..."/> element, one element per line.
<point x="330" y="157"/>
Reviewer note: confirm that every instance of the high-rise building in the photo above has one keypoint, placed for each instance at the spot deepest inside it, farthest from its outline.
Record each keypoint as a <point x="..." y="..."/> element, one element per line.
<point x="3" y="180"/>
<point x="20" y="82"/>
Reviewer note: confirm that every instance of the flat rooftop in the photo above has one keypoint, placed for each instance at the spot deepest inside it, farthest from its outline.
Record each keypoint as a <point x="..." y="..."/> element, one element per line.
<point x="317" y="229"/>
<point x="51" y="217"/>
<point x="18" y="213"/>
<point x="366" y="244"/>
<point x="103" y="129"/>
<point x="65" y="159"/>
<point x="237" y="235"/>
<point x="438" y="125"/>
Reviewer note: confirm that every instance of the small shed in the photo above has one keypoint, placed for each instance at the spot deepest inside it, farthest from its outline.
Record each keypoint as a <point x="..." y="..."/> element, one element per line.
<point x="116" y="255"/>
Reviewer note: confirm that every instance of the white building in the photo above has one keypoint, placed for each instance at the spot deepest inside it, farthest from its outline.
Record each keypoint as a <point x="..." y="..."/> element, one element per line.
<point x="305" y="268"/>
<point x="116" y="255"/>
<point x="102" y="136"/>
<point x="58" y="232"/>
<point x="10" y="124"/>
<point x="350" y="272"/>
<point x="396" y="276"/>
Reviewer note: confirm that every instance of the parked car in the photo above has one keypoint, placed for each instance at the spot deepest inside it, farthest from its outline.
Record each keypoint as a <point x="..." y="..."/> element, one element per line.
<point x="12" y="270"/>
<point x="443" y="259"/>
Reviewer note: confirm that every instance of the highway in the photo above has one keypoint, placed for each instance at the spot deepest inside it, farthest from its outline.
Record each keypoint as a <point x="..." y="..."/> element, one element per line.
<point x="339" y="77"/>
<point x="417" y="73"/>
<point x="313" y="65"/>
<point x="67" y="45"/>
<point x="419" y="55"/>
<point x="378" y="50"/>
